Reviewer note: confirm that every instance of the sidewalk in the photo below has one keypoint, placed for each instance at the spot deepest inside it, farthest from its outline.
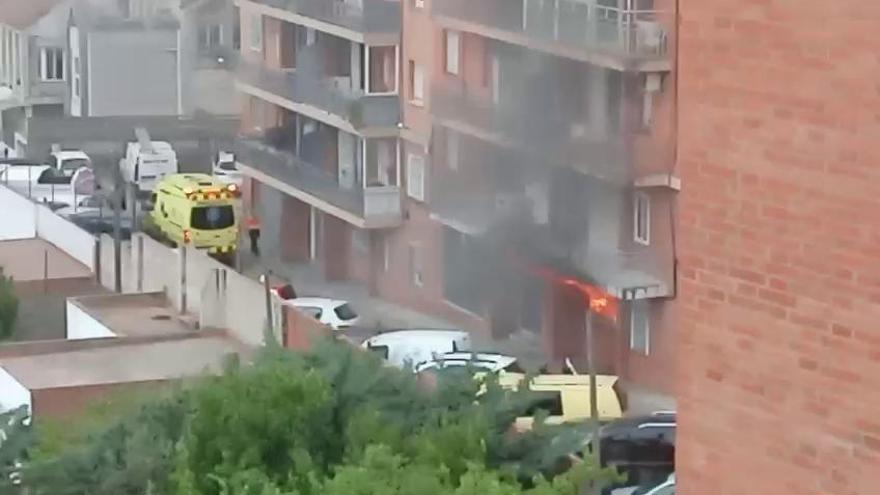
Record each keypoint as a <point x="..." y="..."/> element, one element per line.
<point x="309" y="281"/>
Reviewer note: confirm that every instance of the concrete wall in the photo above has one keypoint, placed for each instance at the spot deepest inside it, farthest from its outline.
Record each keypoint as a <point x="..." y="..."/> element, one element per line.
<point x="80" y="325"/>
<point x="12" y="393"/>
<point x="19" y="221"/>
<point x="64" y="234"/>
<point x="133" y="72"/>
<point x="219" y="296"/>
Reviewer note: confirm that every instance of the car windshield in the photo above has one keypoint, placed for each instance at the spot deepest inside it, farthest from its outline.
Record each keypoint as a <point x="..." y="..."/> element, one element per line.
<point x="344" y="312"/>
<point x="212" y="217"/>
<point x="73" y="164"/>
<point x="228" y="166"/>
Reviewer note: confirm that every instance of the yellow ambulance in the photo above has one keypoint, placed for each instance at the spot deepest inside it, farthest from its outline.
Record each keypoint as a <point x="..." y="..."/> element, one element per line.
<point x="195" y="210"/>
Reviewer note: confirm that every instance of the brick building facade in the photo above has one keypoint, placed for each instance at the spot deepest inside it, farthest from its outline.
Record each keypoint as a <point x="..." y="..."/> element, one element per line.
<point x="779" y="366"/>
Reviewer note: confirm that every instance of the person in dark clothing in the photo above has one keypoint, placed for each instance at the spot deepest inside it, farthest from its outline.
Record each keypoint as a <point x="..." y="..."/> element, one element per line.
<point x="253" y="227"/>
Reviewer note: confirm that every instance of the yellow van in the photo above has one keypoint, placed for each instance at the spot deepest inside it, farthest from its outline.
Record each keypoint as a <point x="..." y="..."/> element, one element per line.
<point x="196" y="210"/>
<point x="566" y="397"/>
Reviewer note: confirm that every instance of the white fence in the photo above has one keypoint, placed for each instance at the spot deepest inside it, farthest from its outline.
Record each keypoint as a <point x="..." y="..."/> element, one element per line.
<point x="65" y="235"/>
<point x="21" y="218"/>
<point x="17" y="217"/>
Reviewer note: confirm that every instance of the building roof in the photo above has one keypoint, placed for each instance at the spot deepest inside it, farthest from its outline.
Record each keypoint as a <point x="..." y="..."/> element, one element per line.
<point x="141" y="362"/>
<point x="24" y="261"/>
<point x="22" y="14"/>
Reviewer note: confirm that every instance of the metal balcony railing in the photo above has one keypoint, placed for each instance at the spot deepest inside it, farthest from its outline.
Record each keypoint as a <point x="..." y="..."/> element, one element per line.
<point x="547" y="137"/>
<point x="573" y="24"/>
<point x="378" y="206"/>
<point x="303" y="87"/>
<point x="364" y="16"/>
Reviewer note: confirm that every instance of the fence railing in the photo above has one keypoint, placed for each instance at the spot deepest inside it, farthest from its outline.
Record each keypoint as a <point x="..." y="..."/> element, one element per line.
<point x="365" y="16"/>
<point x="574" y="24"/>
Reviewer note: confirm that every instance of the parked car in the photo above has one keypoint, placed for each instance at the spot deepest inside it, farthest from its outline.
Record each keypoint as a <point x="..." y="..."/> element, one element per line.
<point x="641" y="447"/>
<point x="87" y="204"/>
<point x="335" y="313"/>
<point x="484" y="361"/>
<point x="69" y="161"/>
<point x="409" y="348"/>
<point x="665" y="488"/>
<point x="226" y="169"/>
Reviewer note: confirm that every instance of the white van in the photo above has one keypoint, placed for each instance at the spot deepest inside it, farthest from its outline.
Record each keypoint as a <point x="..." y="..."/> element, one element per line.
<point x="410" y="348"/>
<point x="148" y="162"/>
<point x="69" y="161"/>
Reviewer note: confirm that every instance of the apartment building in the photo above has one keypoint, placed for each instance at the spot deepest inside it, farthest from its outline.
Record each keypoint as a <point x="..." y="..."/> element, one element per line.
<point x="320" y="128"/>
<point x="498" y="163"/>
<point x="779" y="344"/>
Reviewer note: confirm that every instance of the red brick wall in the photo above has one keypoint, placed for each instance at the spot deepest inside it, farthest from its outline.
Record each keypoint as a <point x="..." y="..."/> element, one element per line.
<point x="295" y="219"/>
<point x="779" y="355"/>
<point x="68" y="401"/>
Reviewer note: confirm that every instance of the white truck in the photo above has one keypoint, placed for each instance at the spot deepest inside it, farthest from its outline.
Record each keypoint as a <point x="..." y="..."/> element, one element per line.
<point x="147" y="162"/>
<point x="69" y="161"/>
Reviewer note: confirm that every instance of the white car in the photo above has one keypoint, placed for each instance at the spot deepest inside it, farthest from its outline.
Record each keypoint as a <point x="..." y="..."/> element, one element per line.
<point x="334" y="313"/>
<point x="69" y="161"/>
<point x="484" y="361"/>
<point x="226" y="169"/>
<point x="87" y="204"/>
<point x="408" y="348"/>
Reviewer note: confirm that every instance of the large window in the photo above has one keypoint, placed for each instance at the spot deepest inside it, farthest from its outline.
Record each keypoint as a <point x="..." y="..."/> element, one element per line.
<point x="256" y="34"/>
<point x="52" y="64"/>
<point x="416" y="83"/>
<point x="453" y="50"/>
<point x="640" y="327"/>
<point x="210" y="36"/>
<point x="212" y="217"/>
<point x="463" y="264"/>
<point x="382" y="69"/>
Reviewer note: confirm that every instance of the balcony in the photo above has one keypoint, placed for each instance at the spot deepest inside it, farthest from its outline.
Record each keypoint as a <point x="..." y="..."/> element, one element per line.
<point x="364" y="207"/>
<point x="546" y="136"/>
<point x="364" y="16"/>
<point x="618" y="38"/>
<point x="352" y="109"/>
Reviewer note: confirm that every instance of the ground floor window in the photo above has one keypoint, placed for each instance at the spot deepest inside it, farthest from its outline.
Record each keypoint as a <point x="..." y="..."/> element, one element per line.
<point x="640" y="327"/>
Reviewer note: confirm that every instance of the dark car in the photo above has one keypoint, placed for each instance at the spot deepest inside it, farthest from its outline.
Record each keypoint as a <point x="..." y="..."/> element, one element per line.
<point x="641" y="447"/>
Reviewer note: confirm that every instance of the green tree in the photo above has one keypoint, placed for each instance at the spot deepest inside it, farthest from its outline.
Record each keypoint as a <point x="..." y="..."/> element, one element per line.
<point x="334" y="421"/>
<point x="8" y="306"/>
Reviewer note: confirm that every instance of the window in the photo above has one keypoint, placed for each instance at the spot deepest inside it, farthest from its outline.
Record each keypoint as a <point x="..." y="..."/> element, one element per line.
<point x="256" y="32"/>
<point x="415" y="265"/>
<point x="642" y="218"/>
<point x="416" y="83"/>
<point x="210" y="36"/>
<point x="311" y="36"/>
<point x="551" y="402"/>
<point x="52" y="64"/>
<point x="415" y="176"/>
<point x="639" y="327"/>
<point x="311" y="311"/>
<point x="452" y="149"/>
<point x="344" y="312"/>
<point x="419" y="4"/>
<point x="212" y="217"/>
<point x="381" y="69"/>
<point x="452" y="51"/>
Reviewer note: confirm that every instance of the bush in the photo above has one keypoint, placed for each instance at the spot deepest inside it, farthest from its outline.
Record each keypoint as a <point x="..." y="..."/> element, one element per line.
<point x="8" y="306"/>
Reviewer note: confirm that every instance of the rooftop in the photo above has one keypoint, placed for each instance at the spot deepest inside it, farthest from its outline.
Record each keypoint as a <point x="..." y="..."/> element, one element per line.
<point x="28" y="259"/>
<point x="135" y="315"/>
<point x="143" y="362"/>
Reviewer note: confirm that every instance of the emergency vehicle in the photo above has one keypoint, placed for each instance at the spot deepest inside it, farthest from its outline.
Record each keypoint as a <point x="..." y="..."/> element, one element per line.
<point x="195" y="210"/>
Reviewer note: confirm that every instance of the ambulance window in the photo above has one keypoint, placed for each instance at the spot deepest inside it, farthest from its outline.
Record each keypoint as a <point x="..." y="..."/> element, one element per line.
<point x="212" y="217"/>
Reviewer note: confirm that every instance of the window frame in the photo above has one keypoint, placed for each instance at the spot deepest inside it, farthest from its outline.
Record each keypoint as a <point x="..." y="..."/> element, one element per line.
<point x="46" y="68"/>
<point x="642" y="218"/>
<point x="636" y="306"/>
<point x="448" y="36"/>
<point x="416" y="84"/>
<point x="416" y="265"/>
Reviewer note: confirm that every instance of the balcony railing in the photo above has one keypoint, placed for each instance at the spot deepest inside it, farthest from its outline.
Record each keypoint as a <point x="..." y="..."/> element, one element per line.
<point x="327" y="94"/>
<point x="376" y="207"/>
<point x="572" y="24"/>
<point x="366" y="16"/>
<point x="545" y="136"/>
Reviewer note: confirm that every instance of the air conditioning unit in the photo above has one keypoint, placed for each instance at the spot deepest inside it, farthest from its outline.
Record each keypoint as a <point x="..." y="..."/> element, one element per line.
<point x="650" y="34"/>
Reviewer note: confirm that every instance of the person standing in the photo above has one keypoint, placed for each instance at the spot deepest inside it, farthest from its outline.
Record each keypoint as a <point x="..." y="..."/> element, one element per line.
<point x="253" y="228"/>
